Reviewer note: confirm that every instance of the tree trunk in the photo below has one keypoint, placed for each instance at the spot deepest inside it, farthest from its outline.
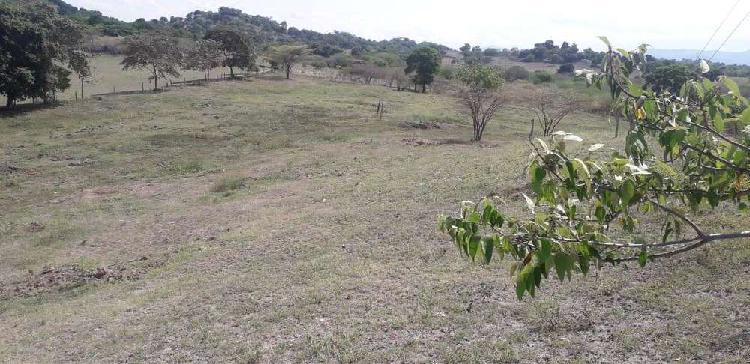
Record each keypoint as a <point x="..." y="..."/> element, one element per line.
<point x="9" y="102"/>
<point x="424" y="88"/>
<point x="231" y="72"/>
<point x="288" y="71"/>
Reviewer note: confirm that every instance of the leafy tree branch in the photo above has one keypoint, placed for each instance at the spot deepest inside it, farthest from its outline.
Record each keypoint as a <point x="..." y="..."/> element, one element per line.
<point x="587" y="210"/>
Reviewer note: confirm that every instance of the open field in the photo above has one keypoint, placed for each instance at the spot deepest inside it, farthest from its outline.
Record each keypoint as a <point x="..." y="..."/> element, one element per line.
<point x="280" y="221"/>
<point x="108" y="76"/>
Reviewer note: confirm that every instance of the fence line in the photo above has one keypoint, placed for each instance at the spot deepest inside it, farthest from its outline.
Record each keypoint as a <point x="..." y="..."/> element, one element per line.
<point x="169" y="83"/>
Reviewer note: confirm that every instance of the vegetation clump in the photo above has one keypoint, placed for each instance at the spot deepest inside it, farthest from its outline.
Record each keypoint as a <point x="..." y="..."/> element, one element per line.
<point x="39" y="49"/>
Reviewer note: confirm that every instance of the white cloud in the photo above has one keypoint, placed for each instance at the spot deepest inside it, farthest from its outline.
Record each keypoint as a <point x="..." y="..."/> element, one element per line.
<point x="663" y="24"/>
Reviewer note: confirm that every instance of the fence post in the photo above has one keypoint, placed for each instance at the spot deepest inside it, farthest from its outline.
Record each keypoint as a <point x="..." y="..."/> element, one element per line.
<point x="143" y="89"/>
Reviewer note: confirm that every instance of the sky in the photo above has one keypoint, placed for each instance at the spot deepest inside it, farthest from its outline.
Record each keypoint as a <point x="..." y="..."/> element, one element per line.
<point x="664" y="24"/>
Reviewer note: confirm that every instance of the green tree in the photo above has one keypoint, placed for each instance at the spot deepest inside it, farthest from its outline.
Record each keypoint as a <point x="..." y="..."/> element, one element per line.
<point x="237" y="48"/>
<point x="568" y="68"/>
<point x="38" y="51"/>
<point x="667" y="76"/>
<point x="479" y="94"/>
<point x="287" y="56"/>
<point x="155" y="51"/>
<point x="587" y="210"/>
<point x="425" y="62"/>
<point x="205" y="55"/>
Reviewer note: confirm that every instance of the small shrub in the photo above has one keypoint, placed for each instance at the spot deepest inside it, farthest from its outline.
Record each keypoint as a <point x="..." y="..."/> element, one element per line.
<point x="541" y="77"/>
<point x="515" y="73"/>
<point x="228" y="184"/>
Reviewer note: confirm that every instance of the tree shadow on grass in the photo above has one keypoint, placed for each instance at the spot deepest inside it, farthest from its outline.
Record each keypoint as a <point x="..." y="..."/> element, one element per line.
<point x="21" y="109"/>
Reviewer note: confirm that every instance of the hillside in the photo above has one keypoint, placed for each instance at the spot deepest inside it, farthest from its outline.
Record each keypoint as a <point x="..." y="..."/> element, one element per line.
<point x="262" y="29"/>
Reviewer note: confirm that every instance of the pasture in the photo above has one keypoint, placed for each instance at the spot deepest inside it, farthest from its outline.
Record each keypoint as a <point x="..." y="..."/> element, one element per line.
<point x="108" y="76"/>
<point x="281" y="221"/>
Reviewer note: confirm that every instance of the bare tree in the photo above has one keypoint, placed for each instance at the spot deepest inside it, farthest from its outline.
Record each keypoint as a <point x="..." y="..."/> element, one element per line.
<point x="549" y="107"/>
<point x="480" y="94"/>
<point x="368" y="72"/>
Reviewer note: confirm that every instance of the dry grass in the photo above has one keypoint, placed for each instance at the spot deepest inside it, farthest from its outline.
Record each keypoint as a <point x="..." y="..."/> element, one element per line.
<point x="318" y="245"/>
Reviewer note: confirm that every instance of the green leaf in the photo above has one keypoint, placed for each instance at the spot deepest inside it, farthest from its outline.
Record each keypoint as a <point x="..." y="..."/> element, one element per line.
<point x="563" y="265"/>
<point x="600" y="213"/>
<point x="739" y="157"/>
<point x="634" y="90"/>
<point x="520" y="288"/>
<point x="643" y="258"/>
<point x="537" y="174"/>
<point x="649" y="106"/>
<point x="732" y="86"/>
<point x="583" y="171"/>
<point x="718" y="122"/>
<point x="474" y="247"/>
<point x="545" y="250"/>
<point x="627" y="191"/>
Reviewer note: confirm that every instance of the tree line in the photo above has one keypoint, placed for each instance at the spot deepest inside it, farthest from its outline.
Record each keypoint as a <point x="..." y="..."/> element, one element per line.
<point x="45" y="48"/>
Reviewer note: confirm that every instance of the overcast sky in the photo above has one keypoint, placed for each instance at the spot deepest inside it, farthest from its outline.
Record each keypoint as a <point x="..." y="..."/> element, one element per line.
<point x="665" y="24"/>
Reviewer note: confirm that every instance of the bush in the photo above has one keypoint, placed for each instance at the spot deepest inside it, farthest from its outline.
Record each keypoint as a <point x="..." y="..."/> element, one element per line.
<point x="228" y="184"/>
<point x="447" y="73"/>
<point x="325" y="50"/>
<point x="541" y="77"/>
<point x="317" y="62"/>
<point x="515" y="73"/>
<point x="340" y="60"/>
<point x="566" y="68"/>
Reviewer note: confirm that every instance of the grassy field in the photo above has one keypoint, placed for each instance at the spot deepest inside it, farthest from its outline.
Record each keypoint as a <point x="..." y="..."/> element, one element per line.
<point x="280" y="221"/>
<point x="108" y="76"/>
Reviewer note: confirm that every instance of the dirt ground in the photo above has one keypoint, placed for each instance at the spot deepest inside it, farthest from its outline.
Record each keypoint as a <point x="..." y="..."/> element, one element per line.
<point x="281" y="221"/>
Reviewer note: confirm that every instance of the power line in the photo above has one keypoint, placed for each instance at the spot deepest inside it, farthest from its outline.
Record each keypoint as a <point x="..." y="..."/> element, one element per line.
<point x="718" y="28"/>
<point x="730" y="35"/>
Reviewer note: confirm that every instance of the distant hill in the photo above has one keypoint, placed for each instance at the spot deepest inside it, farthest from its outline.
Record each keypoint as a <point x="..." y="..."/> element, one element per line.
<point x="263" y="29"/>
<point x="742" y="58"/>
